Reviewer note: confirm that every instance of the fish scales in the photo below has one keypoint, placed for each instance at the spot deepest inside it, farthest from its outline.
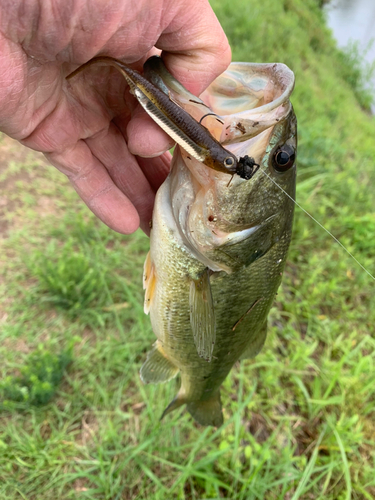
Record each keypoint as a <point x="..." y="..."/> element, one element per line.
<point x="233" y="295"/>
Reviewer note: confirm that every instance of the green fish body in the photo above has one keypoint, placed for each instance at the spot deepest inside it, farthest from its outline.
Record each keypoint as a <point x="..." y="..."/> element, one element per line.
<point x="219" y="242"/>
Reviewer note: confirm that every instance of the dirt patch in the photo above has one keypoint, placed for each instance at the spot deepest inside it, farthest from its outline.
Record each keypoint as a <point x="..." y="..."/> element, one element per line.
<point x="13" y="155"/>
<point x="12" y="150"/>
<point x="15" y="345"/>
<point x="88" y="429"/>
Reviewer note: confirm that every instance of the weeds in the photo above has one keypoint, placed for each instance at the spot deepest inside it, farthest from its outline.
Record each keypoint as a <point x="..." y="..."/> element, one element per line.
<point x="67" y="278"/>
<point x="38" y="381"/>
<point x="357" y="73"/>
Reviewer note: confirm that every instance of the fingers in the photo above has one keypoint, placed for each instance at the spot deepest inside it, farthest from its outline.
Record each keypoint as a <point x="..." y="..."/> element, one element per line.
<point x="101" y="168"/>
<point x="95" y="186"/>
<point x="195" y="47"/>
<point x="110" y="148"/>
<point x="196" y="51"/>
<point x="145" y="138"/>
<point x="118" y="190"/>
<point x="156" y="169"/>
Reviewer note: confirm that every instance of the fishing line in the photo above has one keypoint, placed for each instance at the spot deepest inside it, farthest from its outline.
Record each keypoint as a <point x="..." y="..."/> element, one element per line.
<point x="319" y="224"/>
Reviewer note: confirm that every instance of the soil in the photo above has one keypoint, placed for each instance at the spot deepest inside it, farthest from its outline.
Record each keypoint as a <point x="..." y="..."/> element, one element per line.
<point x="11" y="153"/>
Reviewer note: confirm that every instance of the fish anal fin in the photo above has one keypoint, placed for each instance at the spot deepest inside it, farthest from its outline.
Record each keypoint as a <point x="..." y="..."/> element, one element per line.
<point x="257" y="344"/>
<point x="207" y="412"/>
<point x="149" y="282"/>
<point x="157" y="368"/>
<point x="177" y="402"/>
<point x="202" y="316"/>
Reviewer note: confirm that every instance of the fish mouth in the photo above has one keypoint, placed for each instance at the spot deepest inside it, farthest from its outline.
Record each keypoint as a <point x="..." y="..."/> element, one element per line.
<point x="250" y="88"/>
<point x="247" y="99"/>
<point x="212" y="209"/>
<point x="240" y="108"/>
<point x="250" y="98"/>
<point x="242" y="103"/>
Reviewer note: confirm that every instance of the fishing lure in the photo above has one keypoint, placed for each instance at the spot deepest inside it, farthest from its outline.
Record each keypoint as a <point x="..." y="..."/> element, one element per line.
<point x="177" y="123"/>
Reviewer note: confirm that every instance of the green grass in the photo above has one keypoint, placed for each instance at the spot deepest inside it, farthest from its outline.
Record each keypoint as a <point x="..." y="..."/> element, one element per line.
<point x="40" y="376"/>
<point x="299" y="419"/>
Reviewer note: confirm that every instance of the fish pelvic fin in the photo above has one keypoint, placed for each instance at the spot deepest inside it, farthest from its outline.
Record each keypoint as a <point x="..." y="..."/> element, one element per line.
<point x="207" y="412"/>
<point x="157" y="368"/>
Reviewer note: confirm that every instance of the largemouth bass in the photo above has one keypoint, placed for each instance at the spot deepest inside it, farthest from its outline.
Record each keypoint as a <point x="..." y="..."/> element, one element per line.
<point x="219" y="242"/>
<point x="221" y="225"/>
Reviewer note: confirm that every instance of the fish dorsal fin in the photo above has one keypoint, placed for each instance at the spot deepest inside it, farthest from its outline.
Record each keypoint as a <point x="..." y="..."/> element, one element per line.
<point x="149" y="281"/>
<point x="202" y="316"/>
<point x="157" y="368"/>
<point x="256" y="344"/>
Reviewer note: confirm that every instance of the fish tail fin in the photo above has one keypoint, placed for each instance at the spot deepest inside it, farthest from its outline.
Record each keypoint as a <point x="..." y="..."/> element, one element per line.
<point x="178" y="401"/>
<point x="207" y="412"/>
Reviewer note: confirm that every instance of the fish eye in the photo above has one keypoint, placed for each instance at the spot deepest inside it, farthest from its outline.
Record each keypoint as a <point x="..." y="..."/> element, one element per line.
<point x="283" y="158"/>
<point x="229" y="161"/>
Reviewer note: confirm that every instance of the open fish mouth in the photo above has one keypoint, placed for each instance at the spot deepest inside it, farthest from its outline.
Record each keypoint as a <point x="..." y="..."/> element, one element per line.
<point x="239" y="109"/>
<point x="245" y="100"/>
<point x="250" y="98"/>
<point x="246" y="108"/>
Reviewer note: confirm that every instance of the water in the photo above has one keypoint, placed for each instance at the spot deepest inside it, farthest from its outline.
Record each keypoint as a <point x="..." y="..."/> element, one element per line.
<point x="354" y="20"/>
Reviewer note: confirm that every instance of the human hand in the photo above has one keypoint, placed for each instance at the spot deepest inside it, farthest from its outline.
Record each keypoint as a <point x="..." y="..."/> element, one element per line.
<point x="91" y="128"/>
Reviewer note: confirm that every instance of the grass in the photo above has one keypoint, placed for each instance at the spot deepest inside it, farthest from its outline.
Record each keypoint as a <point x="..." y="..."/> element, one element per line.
<point x="299" y="419"/>
<point x="40" y="376"/>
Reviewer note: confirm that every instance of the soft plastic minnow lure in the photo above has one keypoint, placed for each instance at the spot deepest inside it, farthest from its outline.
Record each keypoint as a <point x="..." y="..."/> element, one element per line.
<point x="178" y="123"/>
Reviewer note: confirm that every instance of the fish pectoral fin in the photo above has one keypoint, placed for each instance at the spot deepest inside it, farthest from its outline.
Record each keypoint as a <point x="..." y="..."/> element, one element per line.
<point x="149" y="281"/>
<point x="207" y="412"/>
<point x="202" y="316"/>
<point x="157" y="368"/>
<point x="257" y="344"/>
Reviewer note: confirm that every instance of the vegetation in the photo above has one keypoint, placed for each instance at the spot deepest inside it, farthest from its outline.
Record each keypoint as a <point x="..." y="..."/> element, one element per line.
<point x="40" y="375"/>
<point x="299" y="419"/>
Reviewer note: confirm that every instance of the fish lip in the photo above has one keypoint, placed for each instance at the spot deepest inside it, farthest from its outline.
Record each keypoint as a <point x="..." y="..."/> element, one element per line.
<point x="245" y="116"/>
<point x="279" y="72"/>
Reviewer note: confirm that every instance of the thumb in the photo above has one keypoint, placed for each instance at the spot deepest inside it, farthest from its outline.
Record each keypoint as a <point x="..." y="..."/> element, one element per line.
<point x="194" y="46"/>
